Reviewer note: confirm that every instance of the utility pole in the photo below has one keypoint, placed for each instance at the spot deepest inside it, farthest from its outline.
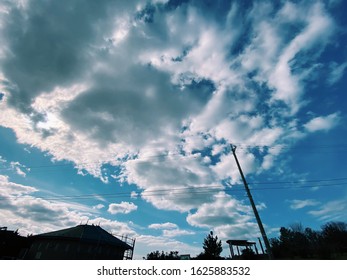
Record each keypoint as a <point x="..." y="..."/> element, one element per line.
<point x="257" y="217"/>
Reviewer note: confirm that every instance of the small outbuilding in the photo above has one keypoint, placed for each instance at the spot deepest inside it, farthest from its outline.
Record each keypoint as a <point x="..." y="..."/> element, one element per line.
<point x="244" y="244"/>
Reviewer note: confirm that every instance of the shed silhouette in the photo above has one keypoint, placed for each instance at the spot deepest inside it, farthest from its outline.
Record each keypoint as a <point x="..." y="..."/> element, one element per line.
<point x="240" y="243"/>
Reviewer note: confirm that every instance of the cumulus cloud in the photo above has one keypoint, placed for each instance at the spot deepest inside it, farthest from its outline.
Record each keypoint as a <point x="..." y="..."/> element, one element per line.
<point x="19" y="168"/>
<point x="134" y="195"/>
<point x="227" y="216"/>
<point x="170" y="229"/>
<point x="149" y="243"/>
<point x="123" y="207"/>
<point x="99" y="206"/>
<point x="171" y="76"/>
<point x="43" y="52"/>
<point x="9" y="188"/>
<point x="21" y="209"/>
<point x="174" y="182"/>
<point x="323" y="123"/>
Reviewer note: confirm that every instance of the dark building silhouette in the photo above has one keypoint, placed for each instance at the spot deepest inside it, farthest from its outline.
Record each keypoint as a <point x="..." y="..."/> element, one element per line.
<point x="83" y="242"/>
<point x="12" y="245"/>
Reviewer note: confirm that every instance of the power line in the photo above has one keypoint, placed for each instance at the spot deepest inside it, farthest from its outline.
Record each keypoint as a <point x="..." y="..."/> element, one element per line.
<point x="298" y="182"/>
<point x="174" y="192"/>
<point x="137" y="156"/>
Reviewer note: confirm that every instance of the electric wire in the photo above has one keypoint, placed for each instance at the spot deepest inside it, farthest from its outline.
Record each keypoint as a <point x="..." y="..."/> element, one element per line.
<point x="332" y="182"/>
<point x="181" y="155"/>
<point x="175" y="192"/>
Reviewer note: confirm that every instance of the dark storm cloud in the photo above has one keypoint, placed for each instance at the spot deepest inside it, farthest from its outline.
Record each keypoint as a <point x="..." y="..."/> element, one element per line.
<point x="40" y="211"/>
<point x="134" y="108"/>
<point x="48" y="43"/>
<point x="5" y="203"/>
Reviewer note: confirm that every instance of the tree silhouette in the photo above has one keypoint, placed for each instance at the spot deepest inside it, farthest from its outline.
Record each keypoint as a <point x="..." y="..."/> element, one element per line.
<point x="293" y="242"/>
<point x="296" y="242"/>
<point x="247" y="254"/>
<point x="156" y="255"/>
<point x="212" y="248"/>
<point x="334" y="235"/>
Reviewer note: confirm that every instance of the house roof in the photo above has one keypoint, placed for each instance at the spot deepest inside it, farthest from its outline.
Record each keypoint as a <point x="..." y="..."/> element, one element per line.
<point x="86" y="233"/>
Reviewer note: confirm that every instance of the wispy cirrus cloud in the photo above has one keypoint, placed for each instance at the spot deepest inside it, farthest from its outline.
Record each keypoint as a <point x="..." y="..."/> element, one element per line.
<point x="299" y="204"/>
<point x="163" y="226"/>
<point x="331" y="211"/>
<point x="336" y="72"/>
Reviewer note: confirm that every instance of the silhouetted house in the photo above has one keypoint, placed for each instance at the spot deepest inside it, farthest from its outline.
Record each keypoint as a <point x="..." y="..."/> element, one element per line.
<point x="83" y="242"/>
<point x="12" y="245"/>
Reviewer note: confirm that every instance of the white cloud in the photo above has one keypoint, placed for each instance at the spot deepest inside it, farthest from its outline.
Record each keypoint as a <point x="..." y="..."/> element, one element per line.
<point x="20" y="209"/>
<point x="331" y="211"/>
<point x="147" y="243"/>
<point x="134" y="194"/>
<point x="163" y="226"/>
<point x="99" y="206"/>
<point x="337" y="72"/>
<point x="288" y="87"/>
<point x="19" y="168"/>
<point x="176" y="232"/>
<point x="172" y="182"/>
<point x="129" y="119"/>
<point x="227" y="165"/>
<point x="12" y="189"/>
<point x="323" y="123"/>
<point x="2" y="160"/>
<point x="123" y="208"/>
<point x="227" y="216"/>
<point x="299" y="204"/>
<point x="170" y="229"/>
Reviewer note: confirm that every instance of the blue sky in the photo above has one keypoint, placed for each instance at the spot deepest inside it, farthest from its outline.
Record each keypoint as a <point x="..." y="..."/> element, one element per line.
<point x="121" y="113"/>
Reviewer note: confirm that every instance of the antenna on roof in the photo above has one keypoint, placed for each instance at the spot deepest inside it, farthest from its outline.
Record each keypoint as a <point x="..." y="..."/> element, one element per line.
<point x="87" y="222"/>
